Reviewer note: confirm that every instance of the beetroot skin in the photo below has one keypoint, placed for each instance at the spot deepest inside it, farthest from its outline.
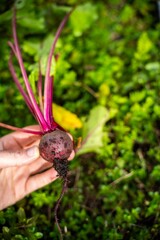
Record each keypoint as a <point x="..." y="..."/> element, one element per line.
<point x="55" y="145"/>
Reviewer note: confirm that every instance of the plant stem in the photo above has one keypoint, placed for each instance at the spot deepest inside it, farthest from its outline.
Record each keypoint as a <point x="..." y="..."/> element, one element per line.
<point x="48" y="88"/>
<point x="65" y="179"/>
<point x="20" y="129"/>
<point x="17" y="53"/>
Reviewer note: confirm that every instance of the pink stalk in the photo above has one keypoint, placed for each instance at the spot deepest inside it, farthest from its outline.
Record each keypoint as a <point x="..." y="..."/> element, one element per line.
<point x="39" y="88"/>
<point x="43" y="113"/>
<point x="20" y="88"/>
<point x="12" y="47"/>
<point x="20" y="129"/>
<point x="25" y="96"/>
<point x="48" y="88"/>
<point x="35" y="106"/>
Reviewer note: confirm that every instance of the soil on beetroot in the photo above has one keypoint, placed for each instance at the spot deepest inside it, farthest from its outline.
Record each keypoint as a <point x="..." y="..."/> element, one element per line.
<point x="61" y="167"/>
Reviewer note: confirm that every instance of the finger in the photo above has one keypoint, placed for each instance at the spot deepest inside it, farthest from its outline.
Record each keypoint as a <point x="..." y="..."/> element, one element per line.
<point x="70" y="136"/>
<point x="72" y="155"/>
<point x="27" y="141"/>
<point x="39" y="165"/>
<point x="40" y="180"/>
<point x="18" y="158"/>
<point x="16" y="142"/>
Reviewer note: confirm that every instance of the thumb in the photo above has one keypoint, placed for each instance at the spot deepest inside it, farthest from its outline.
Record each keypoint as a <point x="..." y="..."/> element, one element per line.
<point x="18" y="158"/>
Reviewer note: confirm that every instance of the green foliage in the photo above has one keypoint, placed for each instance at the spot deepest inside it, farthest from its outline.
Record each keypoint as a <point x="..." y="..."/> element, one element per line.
<point x="16" y="226"/>
<point x="82" y="18"/>
<point x="93" y="130"/>
<point x="107" y="73"/>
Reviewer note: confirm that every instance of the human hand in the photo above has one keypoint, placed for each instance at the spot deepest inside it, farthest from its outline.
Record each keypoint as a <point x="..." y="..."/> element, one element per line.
<point x="22" y="170"/>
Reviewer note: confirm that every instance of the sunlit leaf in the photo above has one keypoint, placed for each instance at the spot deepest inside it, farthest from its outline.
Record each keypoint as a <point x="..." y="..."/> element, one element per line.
<point x="33" y="77"/>
<point x="82" y="18"/>
<point x="153" y="66"/>
<point x="93" y="130"/>
<point x="65" y="118"/>
<point x="31" y="48"/>
<point x="144" y="45"/>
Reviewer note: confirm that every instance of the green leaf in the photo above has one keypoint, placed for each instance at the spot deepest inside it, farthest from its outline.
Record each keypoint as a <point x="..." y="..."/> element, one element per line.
<point x="82" y="18"/>
<point x="38" y="235"/>
<point x="20" y="3"/>
<point x="6" y="233"/>
<point x="33" y="78"/>
<point x="18" y="237"/>
<point x="31" y="48"/>
<point x="127" y="13"/>
<point x="6" y="16"/>
<point x="21" y="215"/>
<point x="144" y="45"/>
<point x="32" y="22"/>
<point x="153" y="66"/>
<point x="44" y="66"/>
<point x="93" y="130"/>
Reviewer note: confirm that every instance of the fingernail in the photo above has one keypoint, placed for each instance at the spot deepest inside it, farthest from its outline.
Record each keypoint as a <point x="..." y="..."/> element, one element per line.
<point x="32" y="152"/>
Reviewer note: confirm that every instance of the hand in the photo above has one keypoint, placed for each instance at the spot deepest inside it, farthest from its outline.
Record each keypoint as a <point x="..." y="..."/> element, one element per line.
<point x="22" y="170"/>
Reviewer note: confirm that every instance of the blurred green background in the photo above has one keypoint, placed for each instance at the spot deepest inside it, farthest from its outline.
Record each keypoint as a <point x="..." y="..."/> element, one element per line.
<point x="108" y="76"/>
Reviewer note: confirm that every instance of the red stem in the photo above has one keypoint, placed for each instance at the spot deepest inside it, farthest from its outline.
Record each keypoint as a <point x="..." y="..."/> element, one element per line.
<point x="35" y="106"/>
<point x="39" y="88"/>
<point x="20" y="129"/>
<point x="18" y="84"/>
<point x="48" y="88"/>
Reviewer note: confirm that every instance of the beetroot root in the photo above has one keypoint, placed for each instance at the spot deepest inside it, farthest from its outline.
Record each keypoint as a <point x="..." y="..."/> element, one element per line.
<point x="56" y="147"/>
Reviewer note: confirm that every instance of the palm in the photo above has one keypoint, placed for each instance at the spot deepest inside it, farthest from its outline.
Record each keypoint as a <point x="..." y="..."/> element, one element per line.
<point x="18" y="181"/>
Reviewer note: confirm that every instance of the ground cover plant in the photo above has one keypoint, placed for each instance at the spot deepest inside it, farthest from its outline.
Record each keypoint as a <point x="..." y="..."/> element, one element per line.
<point x="108" y="74"/>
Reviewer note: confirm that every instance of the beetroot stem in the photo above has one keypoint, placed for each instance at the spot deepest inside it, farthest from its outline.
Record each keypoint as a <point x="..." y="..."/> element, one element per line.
<point x="39" y="88"/>
<point x="25" y="96"/>
<point x="48" y="88"/>
<point x="12" y="47"/>
<point x="20" y="129"/>
<point x="17" y="52"/>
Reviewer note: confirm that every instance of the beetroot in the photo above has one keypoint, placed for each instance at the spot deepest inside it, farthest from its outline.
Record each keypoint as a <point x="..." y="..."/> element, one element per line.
<point x="55" y="145"/>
